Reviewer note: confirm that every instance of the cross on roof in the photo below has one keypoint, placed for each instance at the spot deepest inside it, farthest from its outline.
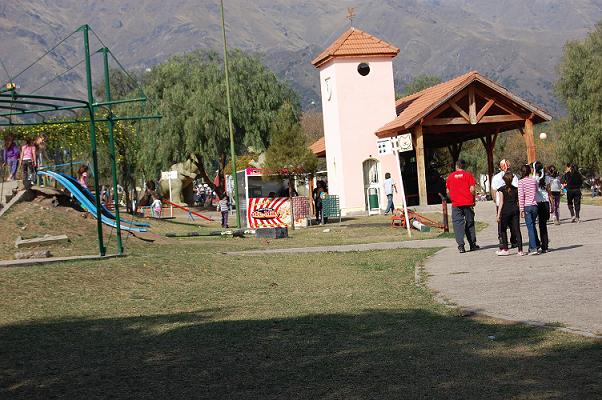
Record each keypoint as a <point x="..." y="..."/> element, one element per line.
<point x="350" y="14"/>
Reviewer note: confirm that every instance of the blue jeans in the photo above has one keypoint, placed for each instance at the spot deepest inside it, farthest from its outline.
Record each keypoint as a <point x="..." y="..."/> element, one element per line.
<point x="390" y="206"/>
<point x="530" y="221"/>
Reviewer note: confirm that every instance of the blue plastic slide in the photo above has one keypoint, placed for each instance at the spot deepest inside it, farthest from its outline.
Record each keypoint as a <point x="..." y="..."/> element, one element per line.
<point x="77" y="192"/>
<point x="105" y="211"/>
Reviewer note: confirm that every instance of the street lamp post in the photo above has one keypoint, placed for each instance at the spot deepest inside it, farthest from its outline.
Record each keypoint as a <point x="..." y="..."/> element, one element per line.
<point x="230" y="127"/>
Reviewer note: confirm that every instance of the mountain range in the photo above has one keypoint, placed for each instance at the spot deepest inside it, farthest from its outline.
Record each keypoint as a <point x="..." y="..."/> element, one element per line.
<point x="515" y="42"/>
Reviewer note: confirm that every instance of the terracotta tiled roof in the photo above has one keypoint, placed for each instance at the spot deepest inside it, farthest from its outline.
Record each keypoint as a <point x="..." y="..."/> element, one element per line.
<point x="411" y="109"/>
<point x="319" y="147"/>
<point x="354" y="43"/>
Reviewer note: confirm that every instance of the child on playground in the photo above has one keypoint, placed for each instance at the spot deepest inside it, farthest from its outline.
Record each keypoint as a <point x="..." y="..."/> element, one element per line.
<point x="27" y="160"/>
<point x="508" y="215"/>
<point x="224" y="207"/>
<point x="11" y="156"/>
<point x="156" y="206"/>
<point x="82" y="176"/>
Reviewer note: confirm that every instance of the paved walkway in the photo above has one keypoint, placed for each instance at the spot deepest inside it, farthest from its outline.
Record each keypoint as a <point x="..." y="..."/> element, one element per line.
<point x="562" y="287"/>
<point x="408" y="244"/>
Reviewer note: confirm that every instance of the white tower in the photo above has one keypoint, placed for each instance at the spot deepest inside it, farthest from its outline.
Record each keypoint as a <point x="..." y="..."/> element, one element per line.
<point x="358" y="97"/>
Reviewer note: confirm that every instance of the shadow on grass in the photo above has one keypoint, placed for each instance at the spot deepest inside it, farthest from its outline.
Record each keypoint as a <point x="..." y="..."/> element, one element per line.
<point x="376" y="354"/>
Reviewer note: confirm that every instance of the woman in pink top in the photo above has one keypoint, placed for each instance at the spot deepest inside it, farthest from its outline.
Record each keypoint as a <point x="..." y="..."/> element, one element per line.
<point x="27" y="160"/>
<point x="527" y="203"/>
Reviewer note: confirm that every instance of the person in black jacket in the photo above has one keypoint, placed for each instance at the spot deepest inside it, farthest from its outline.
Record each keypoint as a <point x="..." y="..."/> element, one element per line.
<point x="572" y="181"/>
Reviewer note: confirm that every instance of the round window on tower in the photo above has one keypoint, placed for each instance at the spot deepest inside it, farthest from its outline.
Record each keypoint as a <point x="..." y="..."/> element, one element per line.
<point x="363" y="69"/>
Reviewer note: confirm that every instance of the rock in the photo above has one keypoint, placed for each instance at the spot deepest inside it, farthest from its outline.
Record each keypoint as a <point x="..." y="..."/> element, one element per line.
<point x="33" y="254"/>
<point x="47" y="239"/>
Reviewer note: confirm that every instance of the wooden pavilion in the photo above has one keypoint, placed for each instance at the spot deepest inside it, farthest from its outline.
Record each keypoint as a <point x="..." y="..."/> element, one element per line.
<point x="465" y="108"/>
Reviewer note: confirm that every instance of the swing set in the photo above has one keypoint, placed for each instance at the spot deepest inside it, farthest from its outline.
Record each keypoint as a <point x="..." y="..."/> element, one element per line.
<point x="28" y="106"/>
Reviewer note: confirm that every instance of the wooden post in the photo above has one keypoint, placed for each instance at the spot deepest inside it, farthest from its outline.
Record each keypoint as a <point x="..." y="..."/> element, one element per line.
<point x="529" y="138"/>
<point x="489" y="144"/>
<point x="454" y="151"/>
<point x="421" y="165"/>
<point x="472" y="106"/>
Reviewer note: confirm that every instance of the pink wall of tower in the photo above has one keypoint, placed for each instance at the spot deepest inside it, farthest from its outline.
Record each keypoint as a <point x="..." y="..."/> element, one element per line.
<point x="354" y="108"/>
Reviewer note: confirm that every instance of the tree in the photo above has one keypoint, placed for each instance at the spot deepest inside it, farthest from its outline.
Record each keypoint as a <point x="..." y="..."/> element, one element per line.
<point x="289" y="155"/>
<point x="419" y="83"/>
<point x="312" y="123"/>
<point x="189" y="92"/>
<point x="579" y="87"/>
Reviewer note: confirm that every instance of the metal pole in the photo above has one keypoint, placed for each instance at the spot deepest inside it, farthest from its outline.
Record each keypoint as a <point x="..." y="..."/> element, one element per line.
<point x="230" y="127"/>
<point x="112" y="156"/>
<point x="101" y="246"/>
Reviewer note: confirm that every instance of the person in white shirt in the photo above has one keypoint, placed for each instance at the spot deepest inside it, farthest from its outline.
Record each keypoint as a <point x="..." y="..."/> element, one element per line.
<point x="497" y="182"/>
<point x="389" y="187"/>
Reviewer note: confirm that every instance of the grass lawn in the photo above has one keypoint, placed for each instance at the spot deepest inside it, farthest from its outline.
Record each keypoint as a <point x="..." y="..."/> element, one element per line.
<point x="39" y="218"/>
<point x="180" y="319"/>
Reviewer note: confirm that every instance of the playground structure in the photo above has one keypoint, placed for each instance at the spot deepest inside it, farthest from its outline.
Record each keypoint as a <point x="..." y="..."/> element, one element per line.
<point x="19" y="105"/>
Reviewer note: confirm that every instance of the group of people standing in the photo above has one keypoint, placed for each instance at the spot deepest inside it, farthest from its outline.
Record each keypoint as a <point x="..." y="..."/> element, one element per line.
<point x="535" y="197"/>
<point x="28" y="157"/>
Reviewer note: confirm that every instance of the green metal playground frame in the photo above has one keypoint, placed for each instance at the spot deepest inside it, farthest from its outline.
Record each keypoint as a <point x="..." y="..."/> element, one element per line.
<point x="19" y="104"/>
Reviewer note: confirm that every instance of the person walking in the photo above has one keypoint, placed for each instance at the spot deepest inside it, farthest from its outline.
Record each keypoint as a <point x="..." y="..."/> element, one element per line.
<point x="27" y="160"/>
<point x="527" y="203"/>
<point x="508" y="215"/>
<point x="497" y="181"/>
<point x="555" y="193"/>
<point x="389" y="187"/>
<point x="224" y="207"/>
<point x="543" y="204"/>
<point x="572" y="183"/>
<point x="11" y="156"/>
<point x="461" y="189"/>
<point x="319" y="193"/>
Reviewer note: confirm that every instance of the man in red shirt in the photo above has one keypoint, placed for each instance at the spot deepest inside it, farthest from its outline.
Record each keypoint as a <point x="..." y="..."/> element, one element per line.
<point x="461" y="190"/>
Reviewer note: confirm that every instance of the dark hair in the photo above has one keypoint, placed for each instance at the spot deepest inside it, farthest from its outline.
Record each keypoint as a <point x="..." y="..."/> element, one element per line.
<point x="541" y="174"/>
<point x="387" y="175"/>
<point x="461" y="164"/>
<point x="552" y="171"/>
<point x="574" y="168"/>
<point x="82" y="169"/>
<point x="525" y="171"/>
<point x="508" y="178"/>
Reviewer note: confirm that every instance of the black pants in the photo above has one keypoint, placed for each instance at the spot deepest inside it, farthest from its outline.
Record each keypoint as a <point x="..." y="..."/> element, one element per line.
<point x="543" y="216"/>
<point x="29" y="173"/>
<point x="513" y="238"/>
<point x="463" y="220"/>
<point x="573" y="198"/>
<point x="511" y="221"/>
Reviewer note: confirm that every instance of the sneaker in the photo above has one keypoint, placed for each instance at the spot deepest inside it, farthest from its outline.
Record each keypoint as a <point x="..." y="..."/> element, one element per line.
<point x="474" y="247"/>
<point x="502" y="252"/>
<point x="573" y="219"/>
<point x="533" y="253"/>
<point x="578" y="220"/>
<point x="521" y="253"/>
<point x="461" y="249"/>
<point x="556" y="222"/>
